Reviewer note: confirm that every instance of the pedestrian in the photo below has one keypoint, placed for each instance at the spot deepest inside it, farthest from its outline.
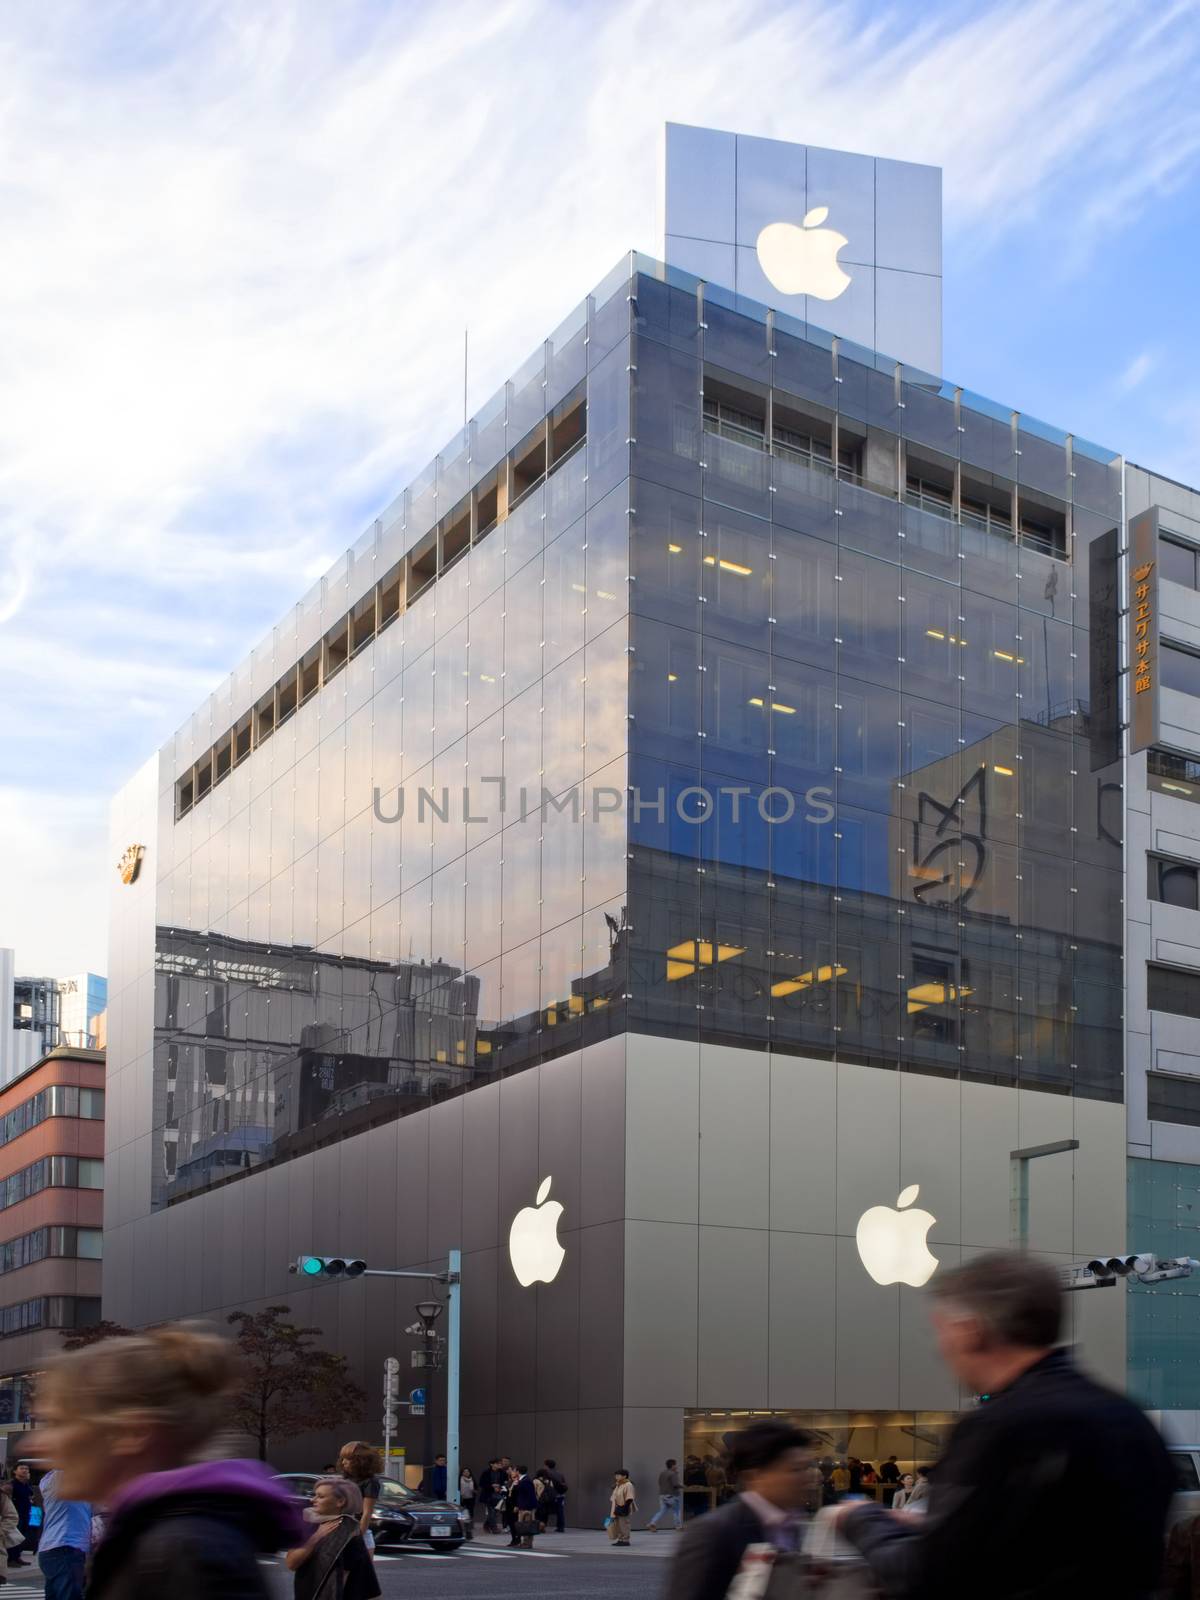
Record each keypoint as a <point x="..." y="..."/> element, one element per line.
<point x="695" y="1487"/>
<point x="335" y="1560"/>
<point x="840" y="1478"/>
<point x="523" y="1498"/>
<point x="23" y="1498"/>
<point x="434" y="1484"/>
<point x="670" y="1496"/>
<point x="491" y="1494"/>
<point x="904" y="1493"/>
<point x="550" y="1468"/>
<point x="124" y="1422"/>
<point x="889" y="1477"/>
<point x="773" y="1464"/>
<point x="622" y="1503"/>
<point x="509" y="1512"/>
<point x="10" y="1527"/>
<point x="362" y="1464"/>
<point x="1053" y="1487"/>
<point x="66" y="1538"/>
<point x="920" y="1493"/>
<point x="545" y="1500"/>
<point x="467" y="1496"/>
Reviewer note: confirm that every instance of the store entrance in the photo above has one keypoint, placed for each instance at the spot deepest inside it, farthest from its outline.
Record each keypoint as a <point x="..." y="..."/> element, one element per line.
<point x="848" y="1443"/>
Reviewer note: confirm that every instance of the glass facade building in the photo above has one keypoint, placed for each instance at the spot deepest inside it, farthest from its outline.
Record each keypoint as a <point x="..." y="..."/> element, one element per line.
<point x="727" y="683"/>
<point x="709" y="751"/>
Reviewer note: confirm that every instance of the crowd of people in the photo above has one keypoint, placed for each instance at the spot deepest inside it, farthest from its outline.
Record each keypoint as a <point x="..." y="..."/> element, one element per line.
<point x="1055" y="1487"/>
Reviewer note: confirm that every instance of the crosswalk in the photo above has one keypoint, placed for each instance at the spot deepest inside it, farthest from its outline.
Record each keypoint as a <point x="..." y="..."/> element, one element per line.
<point x="470" y="1550"/>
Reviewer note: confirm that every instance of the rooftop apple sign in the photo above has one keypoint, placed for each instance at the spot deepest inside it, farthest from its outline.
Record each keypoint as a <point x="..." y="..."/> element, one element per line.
<point x="804" y="260"/>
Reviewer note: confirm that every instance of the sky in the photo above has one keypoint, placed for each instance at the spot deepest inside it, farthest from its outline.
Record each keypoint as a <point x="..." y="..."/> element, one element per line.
<point x="241" y="242"/>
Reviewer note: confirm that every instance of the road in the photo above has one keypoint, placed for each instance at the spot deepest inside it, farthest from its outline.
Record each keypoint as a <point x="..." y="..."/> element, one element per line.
<point x="576" y="1565"/>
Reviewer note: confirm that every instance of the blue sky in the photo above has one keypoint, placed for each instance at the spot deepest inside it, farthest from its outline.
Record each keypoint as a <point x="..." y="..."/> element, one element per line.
<point x="241" y="241"/>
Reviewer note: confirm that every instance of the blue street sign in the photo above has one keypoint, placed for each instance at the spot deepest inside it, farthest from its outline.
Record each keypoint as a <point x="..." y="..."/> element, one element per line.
<point x="416" y="1397"/>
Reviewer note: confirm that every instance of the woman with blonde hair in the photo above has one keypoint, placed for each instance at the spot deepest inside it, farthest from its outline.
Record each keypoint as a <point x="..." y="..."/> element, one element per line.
<point x="125" y="1423"/>
<point x="362" y="1464"/>
<point x="334" y="1561"/>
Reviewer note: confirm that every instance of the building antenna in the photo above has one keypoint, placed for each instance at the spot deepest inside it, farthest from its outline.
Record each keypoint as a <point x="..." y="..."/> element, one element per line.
<point x="465" y="333"/>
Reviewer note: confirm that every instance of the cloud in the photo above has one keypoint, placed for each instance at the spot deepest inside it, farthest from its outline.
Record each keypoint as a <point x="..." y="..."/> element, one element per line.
<point x="1136" y="373"/>
<point x="242" y="244"/>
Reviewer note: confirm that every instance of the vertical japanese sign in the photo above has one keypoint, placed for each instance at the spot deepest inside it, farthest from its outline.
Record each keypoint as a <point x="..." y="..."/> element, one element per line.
<point x="1143" y="630"/>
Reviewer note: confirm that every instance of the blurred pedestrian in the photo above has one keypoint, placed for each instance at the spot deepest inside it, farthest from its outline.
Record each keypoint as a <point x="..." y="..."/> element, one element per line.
<point x="10" y="1528"/>
<point x="1053" y="1487"/>
<point x="773" y="1465"/>
<point x="622" y="1503"/>
<point x="334" y="1561"/>
<point x="550" y="1468"/>
<point x="467" y="1494"/>
<point x="362" y="1464"/>
<point x="670" y="1496"/>
<point x="66" y="1538"/>
<point x="840" y="1478"/>
<point x="123" y="1422"/>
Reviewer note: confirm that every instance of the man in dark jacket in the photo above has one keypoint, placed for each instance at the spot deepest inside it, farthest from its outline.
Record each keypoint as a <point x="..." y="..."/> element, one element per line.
<point x="559" y="1485"/>
<point x="773" y="1464"/>
<point x="1052" y="1487"/>
<point x="523" y="1498"/>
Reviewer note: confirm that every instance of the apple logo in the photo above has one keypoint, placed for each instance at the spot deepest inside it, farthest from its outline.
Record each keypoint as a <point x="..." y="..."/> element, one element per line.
<point x="533" y="1246"/>
<point x="804" y="260"/>
<point x="891" y="1244"/>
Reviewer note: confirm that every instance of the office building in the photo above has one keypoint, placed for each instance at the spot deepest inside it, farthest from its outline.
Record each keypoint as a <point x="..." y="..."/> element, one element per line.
<point x="51" y="1205"/>
<point x="81" y="1003"/>
<point x="695" y="804"/>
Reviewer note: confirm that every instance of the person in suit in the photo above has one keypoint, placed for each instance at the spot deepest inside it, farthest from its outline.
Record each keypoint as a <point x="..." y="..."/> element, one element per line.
<point x="523" y="1497"/>
<point x="772" y="1462"/>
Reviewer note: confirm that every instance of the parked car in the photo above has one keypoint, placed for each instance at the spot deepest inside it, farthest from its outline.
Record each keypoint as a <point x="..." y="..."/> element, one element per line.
<point x="400" y="1515"/>
<point x="1186" y="1460"/>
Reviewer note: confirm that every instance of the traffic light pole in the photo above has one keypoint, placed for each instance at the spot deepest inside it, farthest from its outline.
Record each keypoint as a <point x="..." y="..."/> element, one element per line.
<point x="452" y="1278"/>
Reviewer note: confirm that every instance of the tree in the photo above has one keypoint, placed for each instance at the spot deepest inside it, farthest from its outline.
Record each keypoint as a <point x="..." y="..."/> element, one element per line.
<point x="80" y="1338"/>
<point x="290" y="1385"/>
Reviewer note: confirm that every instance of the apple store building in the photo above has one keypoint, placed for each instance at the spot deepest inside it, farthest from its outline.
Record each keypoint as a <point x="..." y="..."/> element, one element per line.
<point x="674" y="857"/>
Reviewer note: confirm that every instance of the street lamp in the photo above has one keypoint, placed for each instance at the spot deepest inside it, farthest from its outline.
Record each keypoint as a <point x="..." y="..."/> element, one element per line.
<point x="429" y="1311"/>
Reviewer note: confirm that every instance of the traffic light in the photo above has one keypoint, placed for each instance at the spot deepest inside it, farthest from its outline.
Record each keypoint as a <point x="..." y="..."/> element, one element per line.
<point x="1110" y="1268"/>
<point x="329" y="1267"/>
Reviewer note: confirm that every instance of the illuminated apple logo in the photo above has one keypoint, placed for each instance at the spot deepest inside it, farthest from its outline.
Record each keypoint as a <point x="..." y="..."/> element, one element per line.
<point x="533" y="1246"/>
<point x="804" y="260"/>
<point x="891" y="1244"/>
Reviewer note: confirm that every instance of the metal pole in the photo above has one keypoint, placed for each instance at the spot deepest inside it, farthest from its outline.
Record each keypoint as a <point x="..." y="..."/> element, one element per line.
<point x="387" y="1420"/>
<point x="453" y="1369"/>
<point x="1019" y="1185"/>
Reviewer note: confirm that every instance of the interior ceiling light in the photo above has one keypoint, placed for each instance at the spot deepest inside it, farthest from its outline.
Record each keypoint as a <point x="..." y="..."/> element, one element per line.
<point x="923" y="995"/>
<point x="728" y="566"/>
<point x="805" y="980"/>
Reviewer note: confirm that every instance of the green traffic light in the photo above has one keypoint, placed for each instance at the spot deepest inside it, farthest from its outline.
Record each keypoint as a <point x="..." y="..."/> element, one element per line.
<point x="312" y="1266"/>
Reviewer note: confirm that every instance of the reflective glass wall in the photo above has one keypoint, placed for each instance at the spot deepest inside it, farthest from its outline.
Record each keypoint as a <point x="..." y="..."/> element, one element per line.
<point x="392" y="859"/>
<point x="867" y="818"/>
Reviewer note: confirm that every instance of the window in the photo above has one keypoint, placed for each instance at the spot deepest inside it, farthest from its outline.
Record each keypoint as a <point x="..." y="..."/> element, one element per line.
<point x="731" y="422"/>
<point x="89" y="1243"/>
<point x="1172" y="1099"/>
<point x="58" y="1100"/>
<point x="1174" y="883"/>
<point x="1168" y="773"/>
<point x="1179" y="668"/>
<point x="1177" y="561"/>
<point x="1173" y="989"/>
<point x="91" y="1174"/>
